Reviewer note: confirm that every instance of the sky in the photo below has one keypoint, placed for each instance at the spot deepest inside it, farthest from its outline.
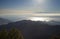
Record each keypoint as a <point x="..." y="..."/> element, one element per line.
<point x="23" y="9"/>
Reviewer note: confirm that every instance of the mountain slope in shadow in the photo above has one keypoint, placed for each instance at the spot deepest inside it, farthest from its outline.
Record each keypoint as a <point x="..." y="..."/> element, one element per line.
<point x="34" y="29"/>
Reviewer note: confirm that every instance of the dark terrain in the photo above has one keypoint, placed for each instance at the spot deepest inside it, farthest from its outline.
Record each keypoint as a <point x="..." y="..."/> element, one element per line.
<point x="34" y="29"/>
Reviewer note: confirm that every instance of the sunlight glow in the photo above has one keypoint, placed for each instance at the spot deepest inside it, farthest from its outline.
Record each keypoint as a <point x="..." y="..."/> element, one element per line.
<point x="40" y="1"/>
<point x="39" y="19"/>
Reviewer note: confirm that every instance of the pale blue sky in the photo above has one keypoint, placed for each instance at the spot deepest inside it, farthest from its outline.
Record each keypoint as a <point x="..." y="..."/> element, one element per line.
<point x="52" y="5"/>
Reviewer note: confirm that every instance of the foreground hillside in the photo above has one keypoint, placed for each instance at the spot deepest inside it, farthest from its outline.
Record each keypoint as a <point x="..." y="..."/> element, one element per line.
<point x="12" y="34"/>
<point x="34" y="30"/>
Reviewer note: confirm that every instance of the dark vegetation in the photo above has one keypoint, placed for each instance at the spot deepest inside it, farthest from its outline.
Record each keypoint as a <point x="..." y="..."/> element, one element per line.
<point x="12" y="34"/>
<point x="29" y="30"/>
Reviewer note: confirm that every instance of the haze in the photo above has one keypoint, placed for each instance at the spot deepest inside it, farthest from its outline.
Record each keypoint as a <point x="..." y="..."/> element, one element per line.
<point x="16" y="10"/>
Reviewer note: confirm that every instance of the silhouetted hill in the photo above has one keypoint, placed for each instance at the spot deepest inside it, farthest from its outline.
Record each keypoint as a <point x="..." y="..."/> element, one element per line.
<point x="4" y="21"/>
<point x="52" y="22"/>
<point x="34" y="29"/>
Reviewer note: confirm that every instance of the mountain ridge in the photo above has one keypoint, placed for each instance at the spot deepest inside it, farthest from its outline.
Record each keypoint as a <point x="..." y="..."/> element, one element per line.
<point x="4" y="21"/>
<point x="33" y="29"/>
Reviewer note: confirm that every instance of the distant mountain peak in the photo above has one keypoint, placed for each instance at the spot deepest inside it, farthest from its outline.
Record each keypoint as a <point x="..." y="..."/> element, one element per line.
<point x="4" y="21"/>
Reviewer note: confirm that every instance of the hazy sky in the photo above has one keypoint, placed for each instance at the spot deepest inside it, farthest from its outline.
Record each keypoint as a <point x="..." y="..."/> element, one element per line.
<point x="30" y="5"/>
<point x="29" y="8"/>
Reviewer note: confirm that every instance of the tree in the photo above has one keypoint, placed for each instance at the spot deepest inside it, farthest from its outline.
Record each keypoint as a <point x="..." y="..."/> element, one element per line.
<point x="3" y="34"/>
<point x="15" y="34"/>
<point x="12" y="34"/>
